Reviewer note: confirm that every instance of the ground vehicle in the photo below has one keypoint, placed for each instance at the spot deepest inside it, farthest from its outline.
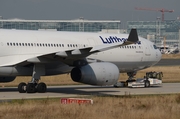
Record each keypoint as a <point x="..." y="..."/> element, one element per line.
<point x="151" y="79"/>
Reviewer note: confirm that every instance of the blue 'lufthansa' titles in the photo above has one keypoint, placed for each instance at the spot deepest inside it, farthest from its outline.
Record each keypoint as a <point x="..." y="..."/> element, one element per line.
<point x="114" y="39"/>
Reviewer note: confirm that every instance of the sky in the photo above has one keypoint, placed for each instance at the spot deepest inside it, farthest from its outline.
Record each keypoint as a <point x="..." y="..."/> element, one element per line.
<point x="123" y="10"/>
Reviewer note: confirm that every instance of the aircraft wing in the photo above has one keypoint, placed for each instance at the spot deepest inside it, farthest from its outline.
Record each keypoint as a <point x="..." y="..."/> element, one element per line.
<point x="70" y="56"/>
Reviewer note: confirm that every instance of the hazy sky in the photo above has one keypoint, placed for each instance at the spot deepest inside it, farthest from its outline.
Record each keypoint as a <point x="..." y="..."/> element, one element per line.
<point x="89" y="9"/>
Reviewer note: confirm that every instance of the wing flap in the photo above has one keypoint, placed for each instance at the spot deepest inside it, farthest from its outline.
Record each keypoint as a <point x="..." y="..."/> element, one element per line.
<point x="74" y="52"/>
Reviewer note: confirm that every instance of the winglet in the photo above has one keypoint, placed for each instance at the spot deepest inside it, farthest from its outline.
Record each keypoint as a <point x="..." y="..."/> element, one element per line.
<point x="133" y="37"/>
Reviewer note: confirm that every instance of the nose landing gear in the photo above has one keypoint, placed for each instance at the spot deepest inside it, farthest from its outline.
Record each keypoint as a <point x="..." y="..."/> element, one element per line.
<point x="131" y="75"/>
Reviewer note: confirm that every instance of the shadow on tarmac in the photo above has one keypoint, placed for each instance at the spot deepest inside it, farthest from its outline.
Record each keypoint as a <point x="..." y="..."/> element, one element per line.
<point x="69" y="90"/>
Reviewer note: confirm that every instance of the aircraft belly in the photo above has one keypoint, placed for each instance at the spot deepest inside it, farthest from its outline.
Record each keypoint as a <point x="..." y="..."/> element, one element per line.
<point x="120" y="56"/>
<point x="126" y="61"/>
<point x="132" y="66"/>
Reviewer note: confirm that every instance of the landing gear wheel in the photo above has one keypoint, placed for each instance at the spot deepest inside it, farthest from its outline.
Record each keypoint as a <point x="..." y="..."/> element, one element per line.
<point x="31" y="88"/>
<point x="22" y="87"/>
<point x="41" y="88"/>
<point x="147" y="83"/>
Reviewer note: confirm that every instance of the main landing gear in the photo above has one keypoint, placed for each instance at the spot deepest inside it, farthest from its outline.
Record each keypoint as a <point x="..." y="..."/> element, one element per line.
<point x="33" y="86"/>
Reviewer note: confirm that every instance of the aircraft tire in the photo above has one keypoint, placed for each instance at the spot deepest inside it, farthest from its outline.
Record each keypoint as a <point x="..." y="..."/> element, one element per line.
<point x="22" y="87"/>
<point x="41" y="88"/>
<point x="31" y="88"/>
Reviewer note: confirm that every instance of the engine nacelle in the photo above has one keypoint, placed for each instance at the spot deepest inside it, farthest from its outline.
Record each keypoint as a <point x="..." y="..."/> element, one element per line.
<point x="101" y="73"/>
<point x="6" y="79"/>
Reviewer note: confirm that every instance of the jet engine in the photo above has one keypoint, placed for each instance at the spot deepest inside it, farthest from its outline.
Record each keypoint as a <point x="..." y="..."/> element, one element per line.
<point x="101" y="73"/>
<point x="7" y="79"/>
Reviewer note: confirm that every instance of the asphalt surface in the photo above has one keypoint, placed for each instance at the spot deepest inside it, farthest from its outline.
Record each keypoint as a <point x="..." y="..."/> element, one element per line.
<point x="86" y="90"/>
<point x="168" y="62"/>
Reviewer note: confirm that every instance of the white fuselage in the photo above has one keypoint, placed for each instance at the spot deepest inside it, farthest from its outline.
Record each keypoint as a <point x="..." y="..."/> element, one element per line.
<point x="17" y="46"/>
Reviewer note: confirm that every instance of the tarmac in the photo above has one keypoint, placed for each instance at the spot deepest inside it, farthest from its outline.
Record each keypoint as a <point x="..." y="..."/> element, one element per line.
<point x="9" y="93"/>
<point x="168" y="62"/>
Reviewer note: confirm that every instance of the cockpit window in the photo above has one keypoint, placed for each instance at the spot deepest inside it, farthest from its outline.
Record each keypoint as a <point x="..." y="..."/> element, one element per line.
<point x="154" y="46"/>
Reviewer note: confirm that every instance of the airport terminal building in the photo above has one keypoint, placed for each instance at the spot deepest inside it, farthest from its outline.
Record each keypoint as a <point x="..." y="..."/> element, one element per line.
<point x="161" y="33"/>
<point x="81" y="25"/>
<point x="156" y="29"/>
